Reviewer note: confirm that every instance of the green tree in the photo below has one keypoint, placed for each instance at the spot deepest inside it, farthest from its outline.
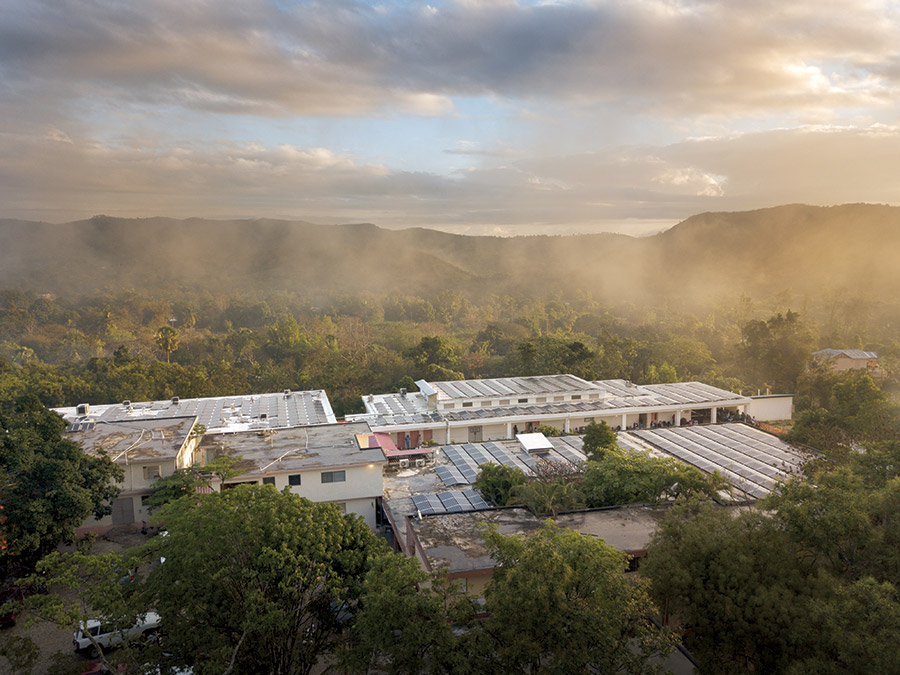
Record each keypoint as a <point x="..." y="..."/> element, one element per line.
<point x="549" y="497"/>
<point x="851" y="629"/>
<point x="85" y="586"/>
<point x="167" y="340"/>
<point x="48" y="484"/>
<point x="559" y="602"/>
<point x="777" y="350"/>
<point x="598" y="439"/>
<point x="169" y="488"/>
<point x="418" y="637"/>
<point x="497" y="481"/>
<point x="735" y="582"/>
<point x="257" y="579"/>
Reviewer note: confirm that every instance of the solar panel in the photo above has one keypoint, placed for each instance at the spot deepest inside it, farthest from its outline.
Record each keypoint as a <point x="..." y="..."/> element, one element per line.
<point x="564" y="449"/>
<point x="449" y="501"/>
<point x="691" y="448"/>
<point x="450" y="475"/>
<point x="475" y="499"/>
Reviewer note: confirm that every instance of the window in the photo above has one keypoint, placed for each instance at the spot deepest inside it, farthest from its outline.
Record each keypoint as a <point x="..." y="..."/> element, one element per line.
<point x="523" y="400"/>
<point x="144" y="499"/>
<point x="342" y="506"/>
<point x="334" y="476"/>
<point x="294" y="479"/>
<point x="151" y="472"/>
<point x="559" y="398"/>
<point x="576" y="397"/>
<point x="269" y="480"/>
<point x="486" y="404"/>
<point x="449" y="406"/>
<point x="467" y="404"/>
<point x="542" y="399"/>
<point x="506" y="402"/>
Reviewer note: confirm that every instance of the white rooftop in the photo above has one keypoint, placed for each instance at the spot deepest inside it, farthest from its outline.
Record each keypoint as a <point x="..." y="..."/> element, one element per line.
<point x="511" y="386"/>
<point x="534" y="442"/>
<point x="220" y="414"/>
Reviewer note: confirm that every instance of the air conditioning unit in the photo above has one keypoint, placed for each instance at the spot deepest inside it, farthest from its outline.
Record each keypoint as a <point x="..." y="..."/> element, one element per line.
<point x="420" y="463"/>
<point x="82" y="409"/>
<point x="404" y="463"/>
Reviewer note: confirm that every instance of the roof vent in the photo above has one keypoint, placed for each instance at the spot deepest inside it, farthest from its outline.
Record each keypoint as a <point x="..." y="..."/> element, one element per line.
<point x="287" y="392"/>
<point x="126" y="404"/>
<point x="628" y="383"/>
<point x="175" y="400"/>
<point x="263" y="416"/>
<point x="370" y="398"/>
<point x="82" y="409"/>
<point x="403" y="392"/>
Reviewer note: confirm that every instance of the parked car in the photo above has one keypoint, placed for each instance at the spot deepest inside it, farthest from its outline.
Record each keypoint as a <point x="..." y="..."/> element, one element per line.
<point x="106" y="636"/>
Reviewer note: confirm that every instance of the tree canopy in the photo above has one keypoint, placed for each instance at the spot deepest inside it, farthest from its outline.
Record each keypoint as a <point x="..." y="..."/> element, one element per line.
<point x="599" y="438"/>
<point x="48" y="484"/>
<point x="256" y="578"/>
<point x="560" y="602"/>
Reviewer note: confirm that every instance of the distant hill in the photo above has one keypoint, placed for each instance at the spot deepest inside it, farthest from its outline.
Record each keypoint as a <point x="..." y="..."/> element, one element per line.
<point x="807" y="250"/>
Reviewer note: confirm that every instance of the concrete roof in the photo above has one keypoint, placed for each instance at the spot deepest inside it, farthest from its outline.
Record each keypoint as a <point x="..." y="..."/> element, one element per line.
<point x="453" y="542"/>
<point x="222" y="413"/>
<point x="135" y="441"/>
<point x="294" y="450"/>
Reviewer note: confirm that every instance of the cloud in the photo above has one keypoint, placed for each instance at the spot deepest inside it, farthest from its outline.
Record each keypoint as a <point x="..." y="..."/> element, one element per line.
<point x="585" y="191"/>
<point x="709" y="57"/>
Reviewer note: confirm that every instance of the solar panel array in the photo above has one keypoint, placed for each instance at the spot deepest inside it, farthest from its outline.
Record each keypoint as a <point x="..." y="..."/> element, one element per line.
<point x="512" y="386"/>
<point x="751" y="460"/>
<point x="466" y="459"/>
<point x="80" y="426"/>
<point x="617" y="397"/>
<point x="298" y="408"/>
<point x="563" y="447"/>
<point x="451" y="501"/>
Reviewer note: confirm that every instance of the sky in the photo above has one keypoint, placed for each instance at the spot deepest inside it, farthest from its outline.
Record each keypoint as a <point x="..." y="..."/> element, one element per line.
<point x="473" y="116"/>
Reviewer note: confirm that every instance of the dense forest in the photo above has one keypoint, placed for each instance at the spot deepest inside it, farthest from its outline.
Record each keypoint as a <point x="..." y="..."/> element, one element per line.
<point x="105" y="348"/>
<point x="821" y="549"/>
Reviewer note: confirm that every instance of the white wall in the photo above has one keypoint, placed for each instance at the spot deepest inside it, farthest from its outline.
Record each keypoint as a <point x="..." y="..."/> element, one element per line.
<point x="361" y="482"/>
<point x="771" y="408"/>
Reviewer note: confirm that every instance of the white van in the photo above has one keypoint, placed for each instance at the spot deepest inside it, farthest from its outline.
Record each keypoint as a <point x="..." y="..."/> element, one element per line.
<point x="107" y="636"/>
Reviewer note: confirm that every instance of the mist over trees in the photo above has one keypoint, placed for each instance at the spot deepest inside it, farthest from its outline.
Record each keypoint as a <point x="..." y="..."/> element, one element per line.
<point x="807" y="583"/>
<point x="105" y="348"/>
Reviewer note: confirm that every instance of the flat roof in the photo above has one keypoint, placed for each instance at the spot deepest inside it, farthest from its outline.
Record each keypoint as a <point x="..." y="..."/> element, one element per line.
<point x="133" y="441"/>
<point x="752" y="460"/>
<point x="453" y="542"/>
<point x="510" y="386"/>
<point x="532" y="442"/>
<point x="454" y="468"/>
<point x="222" y="413"/>
<point x="296" y="449"/>
<point x="623" y="398"/>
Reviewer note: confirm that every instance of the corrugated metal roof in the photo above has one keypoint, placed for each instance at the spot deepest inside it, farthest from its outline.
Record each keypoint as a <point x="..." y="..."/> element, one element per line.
<point x="849" y="353"/>
<point x="636" y="399"/>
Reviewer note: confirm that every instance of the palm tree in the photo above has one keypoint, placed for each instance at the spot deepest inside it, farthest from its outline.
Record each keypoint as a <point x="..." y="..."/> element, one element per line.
<point x="167" y="340"/>
<point x="547" y="497"/>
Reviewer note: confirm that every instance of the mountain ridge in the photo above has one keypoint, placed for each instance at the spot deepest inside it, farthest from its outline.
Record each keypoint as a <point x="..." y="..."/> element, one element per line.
<point x="807" y="249"/>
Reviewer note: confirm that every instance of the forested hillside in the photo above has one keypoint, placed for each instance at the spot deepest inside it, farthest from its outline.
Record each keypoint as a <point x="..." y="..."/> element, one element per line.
<point x="815" y="255"/>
